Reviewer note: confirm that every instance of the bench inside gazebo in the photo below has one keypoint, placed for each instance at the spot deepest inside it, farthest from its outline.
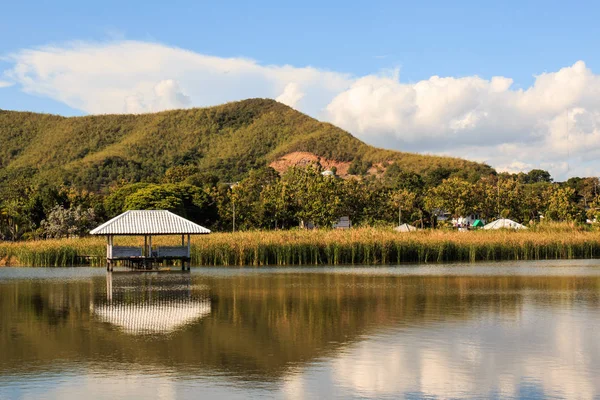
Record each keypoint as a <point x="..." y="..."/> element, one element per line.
<point x="148" y="223"/>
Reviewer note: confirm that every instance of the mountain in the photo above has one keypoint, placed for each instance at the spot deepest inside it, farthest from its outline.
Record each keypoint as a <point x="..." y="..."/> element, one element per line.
<point x="226" y="141"/>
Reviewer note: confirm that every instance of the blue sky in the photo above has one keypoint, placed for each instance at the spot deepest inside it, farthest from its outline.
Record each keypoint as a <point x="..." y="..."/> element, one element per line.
<point x="408" y="42"/>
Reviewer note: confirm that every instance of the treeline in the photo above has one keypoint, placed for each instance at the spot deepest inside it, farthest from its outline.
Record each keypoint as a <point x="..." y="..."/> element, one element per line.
<point x="267" y="200"/>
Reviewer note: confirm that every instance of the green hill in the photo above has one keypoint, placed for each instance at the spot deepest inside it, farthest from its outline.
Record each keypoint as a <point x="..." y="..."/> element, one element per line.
<point x="226" y="141"/>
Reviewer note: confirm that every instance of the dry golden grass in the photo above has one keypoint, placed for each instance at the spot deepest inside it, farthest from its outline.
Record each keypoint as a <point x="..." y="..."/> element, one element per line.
<point x="362" y="246"/>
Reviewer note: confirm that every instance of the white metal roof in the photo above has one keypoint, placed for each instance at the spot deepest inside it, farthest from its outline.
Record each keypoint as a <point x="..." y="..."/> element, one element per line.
<point x="149" y="222"/>
<point x="153" y="318"/>
<point x="504" y="223"/>
<point x="405" y="228"/>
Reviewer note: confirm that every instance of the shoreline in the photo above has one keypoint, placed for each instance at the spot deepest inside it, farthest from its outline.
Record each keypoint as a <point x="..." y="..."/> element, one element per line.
<point x="359" y="246"/>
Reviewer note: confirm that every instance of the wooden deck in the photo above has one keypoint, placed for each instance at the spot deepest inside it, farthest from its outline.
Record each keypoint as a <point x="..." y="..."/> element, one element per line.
<point x="143" y="263"/>
<point x="147" y="257"/>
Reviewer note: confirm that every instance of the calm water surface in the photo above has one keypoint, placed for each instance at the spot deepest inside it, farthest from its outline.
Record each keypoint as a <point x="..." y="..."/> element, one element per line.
<point x="504" y="330"/>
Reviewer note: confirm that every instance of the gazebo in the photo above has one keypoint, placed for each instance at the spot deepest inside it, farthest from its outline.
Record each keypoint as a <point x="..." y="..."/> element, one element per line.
<point x="148" y="223"/>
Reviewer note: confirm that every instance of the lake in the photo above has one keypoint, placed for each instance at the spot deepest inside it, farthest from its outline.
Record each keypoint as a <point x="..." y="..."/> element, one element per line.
<point x="499" y="330"/>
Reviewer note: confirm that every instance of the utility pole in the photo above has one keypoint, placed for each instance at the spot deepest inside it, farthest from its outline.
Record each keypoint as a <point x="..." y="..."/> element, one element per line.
<point x="399" y="215"/>
<point x="498" y="199"/>
<point x="231" y="186"/>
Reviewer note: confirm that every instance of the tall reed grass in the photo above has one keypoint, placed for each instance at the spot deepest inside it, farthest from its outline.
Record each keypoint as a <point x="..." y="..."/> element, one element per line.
<point x="362" y="246"/>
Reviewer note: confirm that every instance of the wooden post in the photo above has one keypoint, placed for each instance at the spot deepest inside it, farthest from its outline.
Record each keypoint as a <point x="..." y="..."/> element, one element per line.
<point x="145" y="252"/>
<point x="109" y="248"/>
<point x="189" y="252"/>
<point x="109" y="289"/>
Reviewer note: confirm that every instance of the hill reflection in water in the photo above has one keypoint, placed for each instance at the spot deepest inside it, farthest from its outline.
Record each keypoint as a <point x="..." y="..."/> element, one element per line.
<point x="314" y="333"/>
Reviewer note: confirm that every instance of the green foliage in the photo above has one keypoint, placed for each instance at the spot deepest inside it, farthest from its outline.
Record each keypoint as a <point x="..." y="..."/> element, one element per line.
<point x="227" y="141"/>
<point x="114" y="203"/>
<point x="538" y="176"/>
<point x="360" y="167"/>
<point x="453" y="195"/>
<point x="186" y="200"/>
<point x="561" y="206"/>
<point x="180" y="173"/>
<point x="155" y="197"/>
<point x="186" y="161"/>
<point x="435" y="177"/>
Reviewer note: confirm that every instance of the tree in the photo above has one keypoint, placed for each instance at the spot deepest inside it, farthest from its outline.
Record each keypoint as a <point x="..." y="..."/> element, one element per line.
<point x="68" y="222"/>
<point x="392" y="171"/>
<point x="250" y="209"/>
<point x="314" y="197"/>
<point x="155" y="197"/>
<point x="15" y="219"/>
<point x="180" y="173"/>
<point x="435" y="177"/>
<point x="182" y="199"/>
<point x="586" y="189"/>
<point x="538" y="175"/>
<point x="359" y="167"/>
<point x="114" y="203"/>
<point x="593" y="211"/>
<point x="404" y="201"/>
<point x="561" y="206"/>
<point x="454" y="195"/>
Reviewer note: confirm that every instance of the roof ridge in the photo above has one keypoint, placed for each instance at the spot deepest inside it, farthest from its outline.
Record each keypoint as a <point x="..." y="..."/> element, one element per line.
<point x="181" y="218"/>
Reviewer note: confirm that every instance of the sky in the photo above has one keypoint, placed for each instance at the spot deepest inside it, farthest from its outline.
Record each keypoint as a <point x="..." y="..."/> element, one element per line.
<point x="514" y="84"/>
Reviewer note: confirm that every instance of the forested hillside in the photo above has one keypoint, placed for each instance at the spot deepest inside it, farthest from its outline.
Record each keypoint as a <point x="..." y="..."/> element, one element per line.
<point x="225" y="142"/>
<point x="254" y="164"/>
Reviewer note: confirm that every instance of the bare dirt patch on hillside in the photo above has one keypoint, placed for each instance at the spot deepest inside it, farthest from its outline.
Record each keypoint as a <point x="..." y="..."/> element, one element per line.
<point x="304" y="158"/>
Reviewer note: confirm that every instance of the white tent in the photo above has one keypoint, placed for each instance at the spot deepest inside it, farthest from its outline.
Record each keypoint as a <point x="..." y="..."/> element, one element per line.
<point x="405" y="228"/>
<point x="504" y="223"/>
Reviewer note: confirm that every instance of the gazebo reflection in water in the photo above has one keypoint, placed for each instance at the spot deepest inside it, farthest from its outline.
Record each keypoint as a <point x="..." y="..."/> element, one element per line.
<point x="151" y="303"/>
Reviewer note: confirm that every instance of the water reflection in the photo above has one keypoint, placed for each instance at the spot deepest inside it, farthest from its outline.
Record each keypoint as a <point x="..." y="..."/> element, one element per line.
<point x="142" y="305"/>
<point x="296" y="334"/>
<point x="557" y="354"/>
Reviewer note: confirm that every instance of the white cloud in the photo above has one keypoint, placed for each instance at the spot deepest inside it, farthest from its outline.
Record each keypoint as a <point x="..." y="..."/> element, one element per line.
<point x="291" y="95"/>
<point x="164" y="96"/>
<point x="4" y="84"/>
<point x="129" y="76"/>
<point x="553" y="124"/>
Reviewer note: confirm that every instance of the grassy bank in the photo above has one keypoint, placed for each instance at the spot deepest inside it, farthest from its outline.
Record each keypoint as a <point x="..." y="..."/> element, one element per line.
<point x="365" y="246"/>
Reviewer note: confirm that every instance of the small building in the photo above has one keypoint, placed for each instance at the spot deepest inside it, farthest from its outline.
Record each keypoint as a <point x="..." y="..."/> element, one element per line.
<point x="343" y="223"/>
<point x="441" y="215"/>
<point x="148" y="223"/>
<point x="405" y="228"/>
<point x="468" y="221"/>
<point x="307" y="225"/>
